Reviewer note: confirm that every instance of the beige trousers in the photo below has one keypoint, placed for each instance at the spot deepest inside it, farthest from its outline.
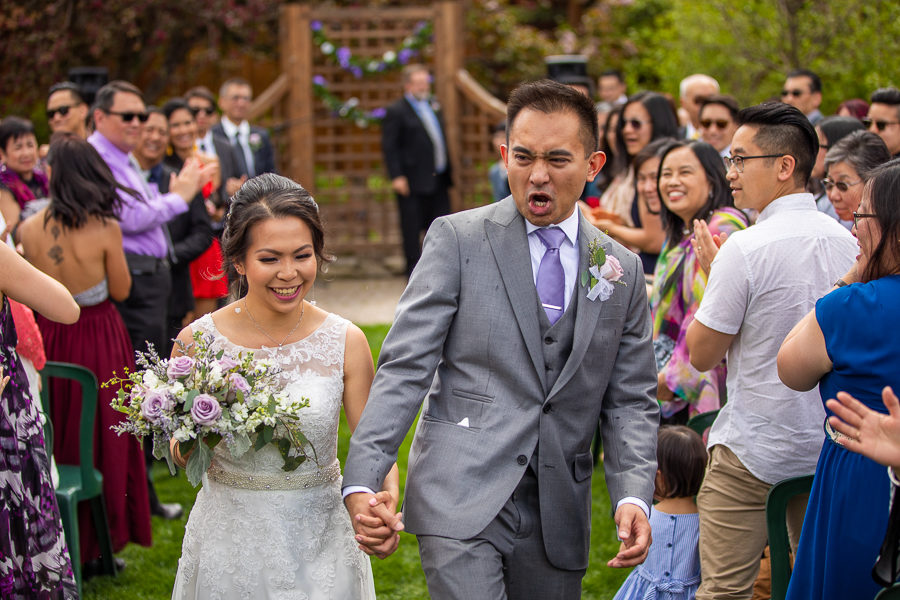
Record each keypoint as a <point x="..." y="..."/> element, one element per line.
<point x="732" y="506"/>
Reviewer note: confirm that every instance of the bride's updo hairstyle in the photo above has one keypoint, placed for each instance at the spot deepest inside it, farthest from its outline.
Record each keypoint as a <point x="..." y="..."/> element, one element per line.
<point x="267" y="196"/>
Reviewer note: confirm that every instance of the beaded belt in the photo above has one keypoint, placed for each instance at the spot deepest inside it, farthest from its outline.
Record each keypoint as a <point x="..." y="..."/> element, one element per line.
<point x="286" y="481"/>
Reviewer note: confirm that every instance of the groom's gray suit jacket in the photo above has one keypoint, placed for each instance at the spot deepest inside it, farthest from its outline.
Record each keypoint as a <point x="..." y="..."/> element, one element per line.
<point x="467" y="340"/>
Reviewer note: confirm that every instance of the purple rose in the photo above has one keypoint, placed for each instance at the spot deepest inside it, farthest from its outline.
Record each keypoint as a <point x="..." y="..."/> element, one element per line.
<point x="316" y="25"/>
<point x="154" y="406"/>
<point x="378" y="113"/>
<point x="226" y="363"/>
<point x="238" y="383"/>
<point x="405" y="55"/>
<point x="180" y="366"/>
<point x="205" y="410"/>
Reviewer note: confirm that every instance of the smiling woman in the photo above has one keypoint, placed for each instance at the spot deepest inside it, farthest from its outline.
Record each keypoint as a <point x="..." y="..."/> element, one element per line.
<point x="254" y="528"/>
<point x="21" y="182"/>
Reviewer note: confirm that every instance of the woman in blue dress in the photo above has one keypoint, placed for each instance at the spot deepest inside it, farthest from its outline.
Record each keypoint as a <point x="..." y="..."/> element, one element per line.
<point x="846" y="344"/>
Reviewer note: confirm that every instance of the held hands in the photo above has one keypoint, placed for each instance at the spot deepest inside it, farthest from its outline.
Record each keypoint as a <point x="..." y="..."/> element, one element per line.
<point x="634" y="531"/>
<point x="868" y="432"/>
<point x="705" y="244"/>
<point x="376" y="525"/>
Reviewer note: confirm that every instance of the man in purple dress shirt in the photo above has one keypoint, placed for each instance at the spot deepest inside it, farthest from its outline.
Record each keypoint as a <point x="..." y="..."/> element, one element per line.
<point x="119" y="114"/>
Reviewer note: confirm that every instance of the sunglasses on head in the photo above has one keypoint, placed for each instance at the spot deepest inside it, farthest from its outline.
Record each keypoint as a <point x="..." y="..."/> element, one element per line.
<point x="208" y="110"/>
<point x="794" y="93"/>
<point x="879" y="124"/>
<point x="128" y="117"/>
<point x="720" y="123"/>
<point x="62" y="110"/>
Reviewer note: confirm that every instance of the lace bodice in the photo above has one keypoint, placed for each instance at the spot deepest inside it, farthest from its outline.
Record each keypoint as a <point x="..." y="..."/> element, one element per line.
<point x="312" y="368"/>
<point x="257" y="531"/>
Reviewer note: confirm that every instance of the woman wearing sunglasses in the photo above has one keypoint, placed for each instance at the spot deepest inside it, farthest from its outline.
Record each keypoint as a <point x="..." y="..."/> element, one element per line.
<point x="845" y="344"/>
<point x="830" y="131"/>
<point x="206" y="273"/>
<point x="848" y="165"/>
<point x="647" y="116"/>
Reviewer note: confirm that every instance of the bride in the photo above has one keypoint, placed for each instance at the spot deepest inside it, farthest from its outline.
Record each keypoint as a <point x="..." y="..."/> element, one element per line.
<point x="255" y="530"/>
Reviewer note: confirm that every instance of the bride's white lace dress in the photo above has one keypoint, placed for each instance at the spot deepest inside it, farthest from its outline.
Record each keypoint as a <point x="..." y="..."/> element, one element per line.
<point x="256" y="531"/>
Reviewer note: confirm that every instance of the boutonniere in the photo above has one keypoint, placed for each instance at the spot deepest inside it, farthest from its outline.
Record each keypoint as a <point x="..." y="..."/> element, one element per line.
<point x="255" y="141"/>
<point x="435" y="105"/>
<point x="603" y="271"/>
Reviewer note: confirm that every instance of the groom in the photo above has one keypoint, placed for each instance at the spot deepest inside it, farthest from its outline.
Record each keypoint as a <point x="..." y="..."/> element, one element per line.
<point x="516" y="365"/>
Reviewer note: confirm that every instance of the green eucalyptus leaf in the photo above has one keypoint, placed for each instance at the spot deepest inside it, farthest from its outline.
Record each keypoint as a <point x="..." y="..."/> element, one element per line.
<point x="198" y="463"/>
<point x="599" y="256"/>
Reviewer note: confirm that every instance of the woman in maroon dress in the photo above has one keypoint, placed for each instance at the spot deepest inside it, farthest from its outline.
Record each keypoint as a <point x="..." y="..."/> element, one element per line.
<point x="77" y="241"/>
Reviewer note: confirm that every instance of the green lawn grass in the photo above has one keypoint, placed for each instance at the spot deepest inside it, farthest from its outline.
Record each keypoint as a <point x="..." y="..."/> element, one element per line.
<point x="150" y="572"/>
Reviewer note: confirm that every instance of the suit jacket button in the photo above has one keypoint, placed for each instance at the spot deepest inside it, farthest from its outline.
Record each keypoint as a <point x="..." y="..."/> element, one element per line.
<point x="522" y="459"/>
<point x="548" y="340"/>
<point x="547" y="408"/>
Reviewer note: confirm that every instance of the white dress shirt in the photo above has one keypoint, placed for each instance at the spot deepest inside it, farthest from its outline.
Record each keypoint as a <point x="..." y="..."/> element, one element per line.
<point x="206" y="145"/>
<point x="241" y="133"/>
<point x="763" y="280"/>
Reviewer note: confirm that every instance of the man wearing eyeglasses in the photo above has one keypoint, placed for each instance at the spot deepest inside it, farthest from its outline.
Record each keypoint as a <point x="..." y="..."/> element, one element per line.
<point x="66" y="109"/>
<point x="803" y="90"/>
<point x="762" y="281"/>
<point x="884" y="117"/>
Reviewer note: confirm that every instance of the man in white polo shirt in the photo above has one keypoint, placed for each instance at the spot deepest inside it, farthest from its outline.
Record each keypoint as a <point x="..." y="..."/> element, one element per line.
<point x="762" y="281"/>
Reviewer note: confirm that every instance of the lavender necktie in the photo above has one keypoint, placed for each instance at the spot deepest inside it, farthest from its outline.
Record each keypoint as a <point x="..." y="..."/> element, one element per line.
<point x="551" y="280"/>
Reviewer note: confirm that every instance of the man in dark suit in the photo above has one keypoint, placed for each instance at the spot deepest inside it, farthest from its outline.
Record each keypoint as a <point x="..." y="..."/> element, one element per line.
<point x="254" y="148"/>
<point x="415" y="152"/>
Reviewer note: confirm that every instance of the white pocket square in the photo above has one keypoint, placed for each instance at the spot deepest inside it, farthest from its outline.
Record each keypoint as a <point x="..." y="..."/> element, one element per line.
<point x="464" y="422"/>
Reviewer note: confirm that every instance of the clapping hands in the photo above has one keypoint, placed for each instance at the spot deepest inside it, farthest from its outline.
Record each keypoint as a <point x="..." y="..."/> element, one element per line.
<point x="705" y="244"/>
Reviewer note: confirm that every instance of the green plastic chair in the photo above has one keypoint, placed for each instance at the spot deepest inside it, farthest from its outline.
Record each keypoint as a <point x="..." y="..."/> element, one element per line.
<point x="776" y="524"/>
<point x="891" y="593"/>
<point x="700" y="423"/>
<point x="81" y="482"/>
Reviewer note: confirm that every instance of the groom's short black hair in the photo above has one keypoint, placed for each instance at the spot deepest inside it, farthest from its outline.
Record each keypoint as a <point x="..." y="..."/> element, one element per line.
<point x="548" y="97"/>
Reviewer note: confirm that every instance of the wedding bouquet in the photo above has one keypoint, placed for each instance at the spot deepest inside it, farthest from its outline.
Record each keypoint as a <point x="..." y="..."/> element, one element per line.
<point x="207" y="398"/>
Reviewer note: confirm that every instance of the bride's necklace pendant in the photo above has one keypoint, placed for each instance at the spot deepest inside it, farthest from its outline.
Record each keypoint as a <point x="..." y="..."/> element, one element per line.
<point x="266" y="333"/>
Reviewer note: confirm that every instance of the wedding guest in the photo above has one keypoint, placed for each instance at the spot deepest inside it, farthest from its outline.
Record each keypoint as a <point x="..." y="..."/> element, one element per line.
<point x="254" y="148"/>
<point x="883" y="117"/>
<point x="692" y="186"/>
<point x="647" y="116"/>
<point x="848" y="165"/>
<point x="803" y="90"/>
<point x="497" y="171"/>
<point x="255" y="529"/>
<point x="841" y="346"/>
<point x="36" y="560"/>
<point x="22" y="183"/>
<point x="762" y="281"/>
<point x="76" y="240"/>
<point x="830" y="131"/>
<point x="855" y="107"/>
<point x="203" y="105"/>
<point x="201" y="251"/>
<point x="692" y="90"/>
<point x="718" y="114"/>
<point x="417" y="160"/>
<point x="67" y="112"/>
<point x="672" y="568"/>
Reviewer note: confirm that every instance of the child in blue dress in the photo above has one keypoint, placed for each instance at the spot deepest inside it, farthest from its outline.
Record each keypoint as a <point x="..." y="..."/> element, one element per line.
<point x="672" y="568"/>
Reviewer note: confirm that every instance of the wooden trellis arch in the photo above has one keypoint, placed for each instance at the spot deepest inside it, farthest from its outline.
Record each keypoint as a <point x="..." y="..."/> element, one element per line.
<point x="341" y="163"/>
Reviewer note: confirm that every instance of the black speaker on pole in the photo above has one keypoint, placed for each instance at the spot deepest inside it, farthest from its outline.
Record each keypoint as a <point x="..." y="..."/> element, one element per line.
<point x="89" y="79"/>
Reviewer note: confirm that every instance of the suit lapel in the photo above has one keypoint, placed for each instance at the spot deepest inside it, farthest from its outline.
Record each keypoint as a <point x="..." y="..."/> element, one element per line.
<point x="509" y="244"/>
<point x="586" y="313"/>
